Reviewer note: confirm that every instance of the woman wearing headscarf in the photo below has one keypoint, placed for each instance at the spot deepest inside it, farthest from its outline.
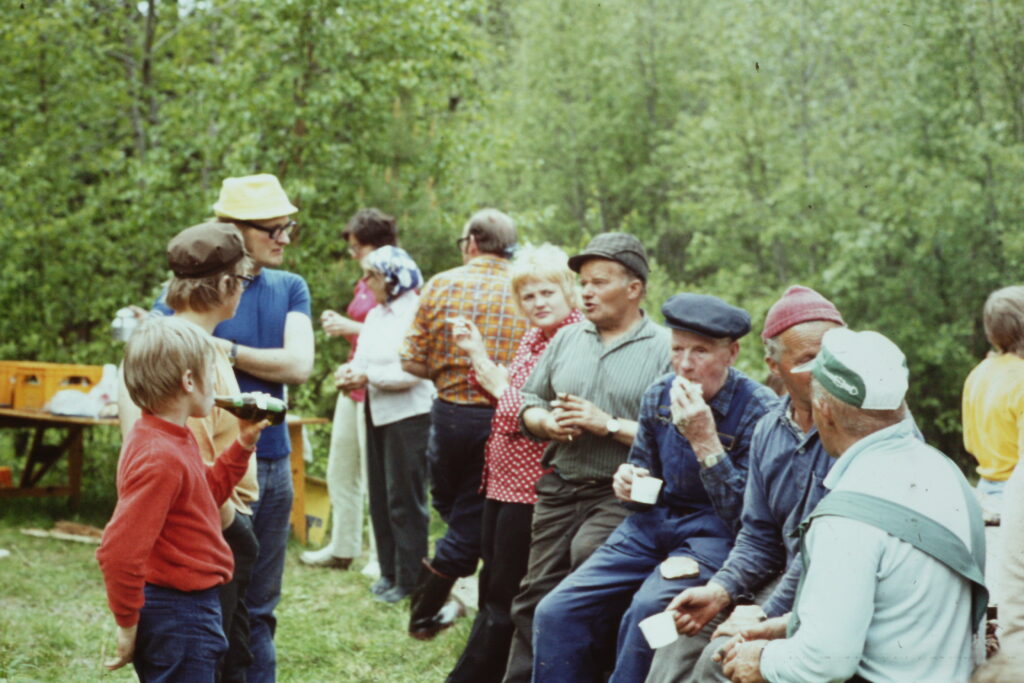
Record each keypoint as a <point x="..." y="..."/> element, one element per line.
<point x="397" y="422"/>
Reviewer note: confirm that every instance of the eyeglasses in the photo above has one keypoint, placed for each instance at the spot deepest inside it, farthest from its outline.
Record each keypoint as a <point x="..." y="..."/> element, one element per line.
<point x="246" y="281"/>
<point x="460" y="241"/>
<point x="291" y="228"/>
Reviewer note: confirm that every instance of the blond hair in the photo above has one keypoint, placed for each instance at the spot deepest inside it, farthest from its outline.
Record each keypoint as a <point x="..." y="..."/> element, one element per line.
<point x="157" y="356"/>
<point x="546" y="263"/>
<point x="202" y="294"/>
<point x="1004" y="319"/>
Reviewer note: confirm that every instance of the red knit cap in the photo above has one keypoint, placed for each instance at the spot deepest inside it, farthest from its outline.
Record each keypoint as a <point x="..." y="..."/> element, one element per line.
<point x="798" y="305"/>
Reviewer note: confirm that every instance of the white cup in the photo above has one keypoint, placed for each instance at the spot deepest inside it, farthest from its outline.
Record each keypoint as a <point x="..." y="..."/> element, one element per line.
<point x="659" y="629"/>
<point x="645" y="489"/>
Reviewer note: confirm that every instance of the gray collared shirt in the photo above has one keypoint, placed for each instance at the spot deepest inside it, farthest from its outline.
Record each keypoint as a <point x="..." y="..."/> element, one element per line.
<point x="612" y="377"/>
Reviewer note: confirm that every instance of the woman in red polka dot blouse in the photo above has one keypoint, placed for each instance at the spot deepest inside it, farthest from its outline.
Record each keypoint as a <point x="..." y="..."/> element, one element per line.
<point x="545" y="290"/>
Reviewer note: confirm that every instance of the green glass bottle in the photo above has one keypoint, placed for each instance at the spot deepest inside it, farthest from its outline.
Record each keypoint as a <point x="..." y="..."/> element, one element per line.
<point x="253" y="407"/>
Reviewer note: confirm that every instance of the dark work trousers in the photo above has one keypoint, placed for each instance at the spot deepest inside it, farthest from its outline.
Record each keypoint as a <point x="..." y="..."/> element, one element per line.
<point x="621" y="584"/>
<point x="456" y="459"/>
<point x="570" y="521"/>
<point x="506" y="550"/>
<point x="245" y="549"/>
<point x="396" y="469"/>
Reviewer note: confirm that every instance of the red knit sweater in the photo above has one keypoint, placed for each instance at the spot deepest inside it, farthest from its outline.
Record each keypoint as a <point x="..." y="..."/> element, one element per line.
<point x="166" y="528"/>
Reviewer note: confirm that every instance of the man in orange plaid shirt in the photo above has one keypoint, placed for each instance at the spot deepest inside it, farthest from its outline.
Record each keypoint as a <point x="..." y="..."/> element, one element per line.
<point x="461" y="415"/>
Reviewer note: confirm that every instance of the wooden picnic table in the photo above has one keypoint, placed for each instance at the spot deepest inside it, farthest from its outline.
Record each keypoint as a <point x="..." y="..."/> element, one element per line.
<point x="41" y="457"/>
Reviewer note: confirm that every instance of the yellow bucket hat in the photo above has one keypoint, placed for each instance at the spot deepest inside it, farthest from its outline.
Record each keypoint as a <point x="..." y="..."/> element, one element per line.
<point x="253" y="198"/>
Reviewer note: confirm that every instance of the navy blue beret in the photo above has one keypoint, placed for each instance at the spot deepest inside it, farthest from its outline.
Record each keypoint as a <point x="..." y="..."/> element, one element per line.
<point x="706" y="315"/>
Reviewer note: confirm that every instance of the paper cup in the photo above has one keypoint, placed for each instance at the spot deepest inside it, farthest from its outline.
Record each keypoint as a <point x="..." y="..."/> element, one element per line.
<point x="660" y="629"/>
<point x="645" y="490"/>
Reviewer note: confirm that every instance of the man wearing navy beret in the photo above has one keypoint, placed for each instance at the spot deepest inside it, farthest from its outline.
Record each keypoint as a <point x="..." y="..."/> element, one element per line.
<point x="694" y="433"/>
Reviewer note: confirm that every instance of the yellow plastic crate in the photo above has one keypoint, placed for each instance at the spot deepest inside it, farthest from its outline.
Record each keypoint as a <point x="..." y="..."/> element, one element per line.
<point x="36" y="383"/>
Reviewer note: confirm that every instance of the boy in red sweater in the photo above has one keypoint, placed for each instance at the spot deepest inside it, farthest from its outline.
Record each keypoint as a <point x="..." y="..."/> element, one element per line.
<point x="163" y="555"/>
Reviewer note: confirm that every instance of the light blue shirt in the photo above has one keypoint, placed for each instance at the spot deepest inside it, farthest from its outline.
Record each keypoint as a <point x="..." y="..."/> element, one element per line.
<point x="874" y="605"/>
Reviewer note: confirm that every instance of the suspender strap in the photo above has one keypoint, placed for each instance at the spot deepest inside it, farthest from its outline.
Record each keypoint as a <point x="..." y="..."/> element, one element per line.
<point x="910" y="526"/>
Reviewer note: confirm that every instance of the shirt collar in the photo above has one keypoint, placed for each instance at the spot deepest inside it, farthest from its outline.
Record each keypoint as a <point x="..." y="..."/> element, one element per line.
<point x="160" y="424"/>
<point x="901" y="430"/>
<point x="541" y="340"/>
<point x="720" y="402"/>
<point x="644" y="328"/>
<point x="783" y="414"/>
<point x="403" y="301"/>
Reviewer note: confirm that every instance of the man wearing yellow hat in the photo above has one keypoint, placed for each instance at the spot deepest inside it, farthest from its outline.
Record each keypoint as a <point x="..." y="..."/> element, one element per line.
<point x="270" y="342"/>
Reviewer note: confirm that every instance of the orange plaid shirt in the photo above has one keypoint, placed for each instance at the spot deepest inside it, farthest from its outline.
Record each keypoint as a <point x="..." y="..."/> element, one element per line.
<point x="482" y="292"/>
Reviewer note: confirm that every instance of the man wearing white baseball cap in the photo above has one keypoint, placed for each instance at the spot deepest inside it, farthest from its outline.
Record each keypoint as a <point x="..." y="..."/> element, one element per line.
<point x="893" y="585"/>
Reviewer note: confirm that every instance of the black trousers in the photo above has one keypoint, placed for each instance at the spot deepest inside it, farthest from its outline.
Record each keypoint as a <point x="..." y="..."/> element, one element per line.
<point x="505" y="546"/>
<point x="455" y="456"/>
<point x="570" y="522"/>
<point x="245" y="549"/>
<point x="396" y="472"/>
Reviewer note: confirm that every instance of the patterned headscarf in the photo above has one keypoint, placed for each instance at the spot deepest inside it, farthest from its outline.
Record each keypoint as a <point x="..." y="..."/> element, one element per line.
<point x="400" y="272"/>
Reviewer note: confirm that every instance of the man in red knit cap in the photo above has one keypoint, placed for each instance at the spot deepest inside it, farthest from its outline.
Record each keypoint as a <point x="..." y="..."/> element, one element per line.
<point x="784" y="483"/>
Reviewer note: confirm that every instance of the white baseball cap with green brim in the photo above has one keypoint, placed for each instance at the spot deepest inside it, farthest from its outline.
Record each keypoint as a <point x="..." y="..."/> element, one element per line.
<point x="864" y="369"/>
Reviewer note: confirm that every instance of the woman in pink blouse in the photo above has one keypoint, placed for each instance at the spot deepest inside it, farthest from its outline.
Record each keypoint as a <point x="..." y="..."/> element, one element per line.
<point x="346" y="462"/>
<point x="545" y="290"/>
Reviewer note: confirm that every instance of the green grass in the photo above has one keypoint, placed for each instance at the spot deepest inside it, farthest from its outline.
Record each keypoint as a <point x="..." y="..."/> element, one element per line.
<point x="55" y="624"/>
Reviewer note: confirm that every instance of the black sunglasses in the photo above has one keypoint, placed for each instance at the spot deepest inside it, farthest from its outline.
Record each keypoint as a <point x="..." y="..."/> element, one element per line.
<point x="291" y="228"/>
<point x="462" y="240"/>
<point x="247" y="280"/>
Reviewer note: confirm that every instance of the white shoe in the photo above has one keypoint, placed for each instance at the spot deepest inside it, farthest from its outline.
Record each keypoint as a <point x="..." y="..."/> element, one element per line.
<point x="372" y="569"/>
<point x="324" y="558"/>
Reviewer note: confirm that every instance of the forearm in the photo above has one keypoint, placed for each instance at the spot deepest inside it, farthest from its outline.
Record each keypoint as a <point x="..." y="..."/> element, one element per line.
<point x="757" y="556"/>
<point x="275" y="365"/>
<point x="416" y="368"/>
<point x="533" y="420"/>
<point x="781" y="600"/>
<point x="228" y="470"/>
<point x="627" y="431"/>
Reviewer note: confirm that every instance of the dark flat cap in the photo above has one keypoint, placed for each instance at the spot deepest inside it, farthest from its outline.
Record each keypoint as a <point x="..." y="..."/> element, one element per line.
<point x="706" y="315"/>
<point x="615" y="246"/>
<point x="205" y="249"/>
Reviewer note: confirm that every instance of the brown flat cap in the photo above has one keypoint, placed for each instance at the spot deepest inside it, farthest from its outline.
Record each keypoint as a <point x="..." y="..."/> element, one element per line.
<point x="205" y="249"/>
<point x="620" y="247"/>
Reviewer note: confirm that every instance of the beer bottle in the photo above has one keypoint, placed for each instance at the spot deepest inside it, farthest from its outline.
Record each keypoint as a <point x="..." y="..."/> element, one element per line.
<point x="253" y="407"/>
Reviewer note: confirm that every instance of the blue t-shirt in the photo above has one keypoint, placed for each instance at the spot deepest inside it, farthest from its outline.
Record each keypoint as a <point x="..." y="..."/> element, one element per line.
<point x="259" y="323"/>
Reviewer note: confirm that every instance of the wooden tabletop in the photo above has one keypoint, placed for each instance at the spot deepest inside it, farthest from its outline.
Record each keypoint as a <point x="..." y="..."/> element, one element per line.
<point x="42" y="417"/>
<point x="39" y="416"/>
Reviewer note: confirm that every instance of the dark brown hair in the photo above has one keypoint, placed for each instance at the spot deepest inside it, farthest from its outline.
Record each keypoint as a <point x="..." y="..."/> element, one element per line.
<point x="372" y="227"/>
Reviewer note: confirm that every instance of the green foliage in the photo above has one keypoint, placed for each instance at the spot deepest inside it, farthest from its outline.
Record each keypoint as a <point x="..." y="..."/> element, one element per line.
<point x="111" y="152"/>
<point x="870" y="150"/>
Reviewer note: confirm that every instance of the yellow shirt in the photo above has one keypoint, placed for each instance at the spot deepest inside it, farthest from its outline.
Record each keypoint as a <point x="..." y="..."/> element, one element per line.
<point x="993" y="415"/>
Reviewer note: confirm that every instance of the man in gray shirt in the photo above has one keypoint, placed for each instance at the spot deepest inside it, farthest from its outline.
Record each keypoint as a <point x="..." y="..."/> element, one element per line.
<point x="584" y="397"/>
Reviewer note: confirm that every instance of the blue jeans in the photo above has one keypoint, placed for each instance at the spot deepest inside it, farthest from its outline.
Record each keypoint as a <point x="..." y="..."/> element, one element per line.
<point x="180" y="637"/>
<point x="455" y="456"/>
<point x="271" y="515"/>
<point x="614" y="590"/>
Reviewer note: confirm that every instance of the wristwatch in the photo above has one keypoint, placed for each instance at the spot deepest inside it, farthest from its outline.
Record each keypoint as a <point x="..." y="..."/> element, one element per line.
<point x="712" y="460"/>
<point x="233" y="353"/>
<point x="613" y="426"/>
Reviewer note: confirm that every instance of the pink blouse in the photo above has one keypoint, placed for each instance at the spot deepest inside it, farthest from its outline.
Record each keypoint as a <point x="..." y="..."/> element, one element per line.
<point x="362" y="301"/>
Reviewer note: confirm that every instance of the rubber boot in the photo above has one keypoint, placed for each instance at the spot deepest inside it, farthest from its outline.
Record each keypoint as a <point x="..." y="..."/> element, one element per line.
<point x="429" y="612"/>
